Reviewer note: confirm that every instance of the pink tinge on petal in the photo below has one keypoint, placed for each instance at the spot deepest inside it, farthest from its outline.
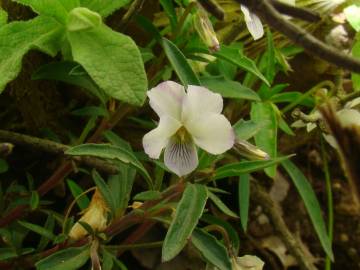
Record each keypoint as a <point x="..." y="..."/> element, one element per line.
<point x="166" y="99"/>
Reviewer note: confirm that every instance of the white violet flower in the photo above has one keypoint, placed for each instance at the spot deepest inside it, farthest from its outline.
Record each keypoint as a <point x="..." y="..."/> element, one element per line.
<point x="186" y="119"/>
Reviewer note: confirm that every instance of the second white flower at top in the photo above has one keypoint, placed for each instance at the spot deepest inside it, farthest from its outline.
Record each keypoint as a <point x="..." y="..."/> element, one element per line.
<point x="186" y="119"/>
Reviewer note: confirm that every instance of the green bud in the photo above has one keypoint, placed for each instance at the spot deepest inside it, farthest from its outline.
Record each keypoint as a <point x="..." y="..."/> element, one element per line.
<point x="204" y="28"/>
<point x="81" y="18"/>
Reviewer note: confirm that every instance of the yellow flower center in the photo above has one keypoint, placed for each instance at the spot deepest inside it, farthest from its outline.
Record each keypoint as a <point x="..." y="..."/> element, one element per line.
<point x="182" y="135"/>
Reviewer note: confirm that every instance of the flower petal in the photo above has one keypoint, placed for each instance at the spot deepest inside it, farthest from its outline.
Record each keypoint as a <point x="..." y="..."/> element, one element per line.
<point x="155" y="140"/>
<point x="349" y="117"/>
<point x="166" y="99"/>
<point x="212" y="132"/>
<point x="181" y="157"/>
<point x="253" y="23"/>
<point x="198" y="101"/>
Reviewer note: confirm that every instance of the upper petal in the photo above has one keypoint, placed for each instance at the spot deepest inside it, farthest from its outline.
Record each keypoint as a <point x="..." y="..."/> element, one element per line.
<point x="166" y="99"/>
<point x="199" y="100"/>
<point x="212" y="132"/>
<point x="253" y="23"/>
<point x="155" y="140"/>
<point x="181" y="157"/>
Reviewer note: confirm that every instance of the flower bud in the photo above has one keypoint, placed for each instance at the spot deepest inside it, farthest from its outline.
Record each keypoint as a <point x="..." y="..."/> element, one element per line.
<point x="247" y="262"/>
<point x="81" y="18"/>
<point x="249" y="151"/>
<point x="95" y="215"/>
<point x="204" y="28"/>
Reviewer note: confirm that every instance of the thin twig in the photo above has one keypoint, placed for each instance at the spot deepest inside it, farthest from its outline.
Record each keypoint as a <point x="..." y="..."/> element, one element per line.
<point x="55" y="148"/>
<point x="299" y="36"/>
<point x="296" y="12"/>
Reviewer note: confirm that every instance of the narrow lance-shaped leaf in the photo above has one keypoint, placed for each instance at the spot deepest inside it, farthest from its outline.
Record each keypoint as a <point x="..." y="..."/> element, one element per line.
<point x="222" y="206"/>
<point x="179" y="63"/>
<point x="244" y="199"/>
<point x="229" y="89"/>
<point x="311" y="203"/>
<point x="111" y="59"/>
<point x="17" y="38"/>
<point x="238" y="168"/>
<point x="104" y="190"/>
<point x="188" y="213"/>
<point x="266" y="138"/>
<point x="113" y="152"/>
<point x="37" y="229"/>
<point x="235" y="57"/>
<point x="211" y="248"/>
<point x="233" y="234"/>
<point x="67" y="259"/>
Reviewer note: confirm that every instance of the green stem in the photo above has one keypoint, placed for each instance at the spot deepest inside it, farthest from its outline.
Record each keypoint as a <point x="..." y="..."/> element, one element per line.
<point x="323" y="84"/>
<point x="136" y="246"/>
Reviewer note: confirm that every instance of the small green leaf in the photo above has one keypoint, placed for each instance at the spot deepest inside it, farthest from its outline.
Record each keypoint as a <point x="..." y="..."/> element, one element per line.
<point x="104" y="190"/>
<point x="238" y="168"/>
<point x="235" y="57"/>
<point x="110" y="152"/>
<point x="49" y="226"/>
<point x="179" y="64"/>
<point x="147" y="195"/>
<point x="81" y="19"/>
<point x="266" y="138"/>
<point x="212" y="249"/>
<point x="217" y="201"/>
<point x="34" y="200"/>
<point x="67" y="259"/>
<point x="121" y="76"/>
<point x="270" y="71"/>
<point x="170" y="11"/>
<point x="245" y="130"/>
<point x="311" y="203"/>
<point x="116" y="140"/>
<point x="229" y="89"/>
<point x="120" y="186"/>
<point x="37" y="229"/>
<point x="233" y="234"/>
<point x="188" y="212"/>
<point x="3" y="166"/>
<point x="104" y="7"/>
<point x="63" y="71"/>
<point x="82" y="201"/>
<point x="17" y="38"/>
<point x="244" y="199"/>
